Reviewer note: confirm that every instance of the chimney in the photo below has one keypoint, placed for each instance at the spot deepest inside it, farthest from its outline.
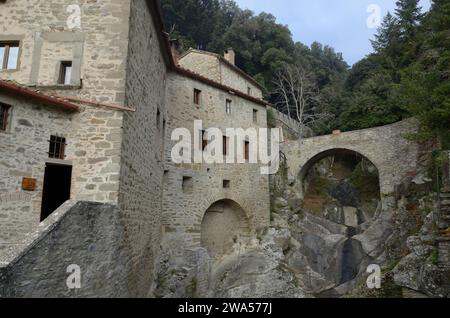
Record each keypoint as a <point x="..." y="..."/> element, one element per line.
<point x="174" y="50"/>
<point x="230" y="56"/>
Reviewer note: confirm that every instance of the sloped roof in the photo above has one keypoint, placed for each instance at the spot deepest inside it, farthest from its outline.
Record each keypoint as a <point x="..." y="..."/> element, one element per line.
<point x="17" y="89"/>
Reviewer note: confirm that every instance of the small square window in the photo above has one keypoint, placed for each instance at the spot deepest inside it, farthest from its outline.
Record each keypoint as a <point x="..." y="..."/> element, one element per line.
<point x="226" y="184"/>
<point x="228" y="106"/>
<point x="9" y="55"/>
<point x="188" y="184"/>
<point x="4" y="114"/>
<point x="57" y="147"/>
<point x="197" y="96"/>
<point x="65" y="73"/>
<point x="255" y="116"/>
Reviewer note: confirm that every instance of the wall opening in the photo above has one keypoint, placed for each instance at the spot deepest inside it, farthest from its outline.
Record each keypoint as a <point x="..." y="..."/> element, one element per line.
<point x="56" y="191"/>
<point x="224" y="225"/>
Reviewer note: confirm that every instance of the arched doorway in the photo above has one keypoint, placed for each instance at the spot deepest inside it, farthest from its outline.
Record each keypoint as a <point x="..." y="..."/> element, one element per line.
<point x="224" y="224"/>
<point x="342" y="186"/>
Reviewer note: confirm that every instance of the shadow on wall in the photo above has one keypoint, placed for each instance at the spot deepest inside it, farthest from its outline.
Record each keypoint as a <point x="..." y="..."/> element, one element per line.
<point x="224" y="224"/>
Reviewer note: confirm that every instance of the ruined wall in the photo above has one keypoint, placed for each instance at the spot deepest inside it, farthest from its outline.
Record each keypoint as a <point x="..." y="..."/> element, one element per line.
<point x="98" y="48"/>
<point x="92" y="150"/>
<point x="142" y="169"/>
<point x="386" y="147"/>
<point x="78" y="233"/>
<point x="184" y="210"/>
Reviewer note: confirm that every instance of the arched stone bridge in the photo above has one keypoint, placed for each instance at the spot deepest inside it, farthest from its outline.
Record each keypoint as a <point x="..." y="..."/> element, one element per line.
<point x="393" y="155"/>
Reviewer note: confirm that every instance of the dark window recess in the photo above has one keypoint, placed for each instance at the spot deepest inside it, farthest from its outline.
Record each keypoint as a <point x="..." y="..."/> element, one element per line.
<point x="225" y="146"/>
<point x="65" y="73"/>
<point x="57" y="147"/>
<point x="158" y="119"/>
<point x="197" y="96"/>
<point x="247" y="150"/>
<point x="226" y="184"/>
<point x="188" y="184"/>
<point x="56" y="190"/>
<point x="9" y="55"/>
<point x="4" y="114"/>
<point x="249" y="91"/>
<point x="204" y="141"/>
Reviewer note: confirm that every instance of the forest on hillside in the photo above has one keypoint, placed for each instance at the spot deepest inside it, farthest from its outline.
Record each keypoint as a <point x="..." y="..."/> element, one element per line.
<point x="408" y="73"/>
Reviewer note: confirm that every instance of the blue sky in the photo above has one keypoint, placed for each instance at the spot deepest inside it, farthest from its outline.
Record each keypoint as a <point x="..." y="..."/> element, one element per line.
<point x="341" y="24"/>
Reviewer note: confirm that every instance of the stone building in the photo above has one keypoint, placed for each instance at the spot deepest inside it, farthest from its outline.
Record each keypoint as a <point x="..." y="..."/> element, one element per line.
<point x="90" y="94"/>
<point x="213" y="204"/>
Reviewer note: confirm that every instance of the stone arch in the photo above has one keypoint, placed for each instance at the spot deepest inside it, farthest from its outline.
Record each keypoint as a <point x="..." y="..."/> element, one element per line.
<point x="224" y="224"/>
<point x="311" y="160"/>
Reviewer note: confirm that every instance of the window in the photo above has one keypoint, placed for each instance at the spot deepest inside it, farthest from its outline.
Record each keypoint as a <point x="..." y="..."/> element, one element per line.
<point x="4" y="113"/>
<point x="158" y="119"/>
<point x="247" y="150"/>
<point x="226" y="184"/>
<point x="204" y="141"/>
<point x="188" y="184"/>
<point x="57" y="147"/>
<point x="228" y="106"/>
<point x="225" y="145"/>
<point x="197" y="95"/>
<point x="249" y="91"/>
<point x="65" y="73"/>
<point x="255" y="116"/>
<point x="9" y="55"/>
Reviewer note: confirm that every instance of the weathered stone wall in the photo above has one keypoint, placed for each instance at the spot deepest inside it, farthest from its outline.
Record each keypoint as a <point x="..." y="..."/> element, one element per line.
<point x="98" y="49"/>
<point x="386" y="147"/>
<point x="93" y="148"/>
<point x="210" y="66"/>
<point x="205" y="64"/>
<point x="234" y="80"/>
<point x="78" y="233"/>
<point x="142" y="168"/>
<point x="184" y="211"/>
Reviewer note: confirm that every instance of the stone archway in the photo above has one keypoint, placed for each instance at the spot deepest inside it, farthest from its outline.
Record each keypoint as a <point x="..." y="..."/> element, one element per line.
<point x="224" y="224"/>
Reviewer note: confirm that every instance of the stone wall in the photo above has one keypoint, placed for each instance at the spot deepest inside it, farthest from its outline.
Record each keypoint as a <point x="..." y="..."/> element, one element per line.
<point x="386" y="147"/>
<point x="211" y="66"/>
<point x="142" y="168"/>
<point x="98" y="49"/>
<point x="185" y="210"/>
<point x="78" y="233"/>
<point x="93" y="148"/>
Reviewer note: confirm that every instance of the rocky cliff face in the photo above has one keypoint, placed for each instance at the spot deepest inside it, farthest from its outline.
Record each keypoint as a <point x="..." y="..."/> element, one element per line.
<point x="325" y="252"/>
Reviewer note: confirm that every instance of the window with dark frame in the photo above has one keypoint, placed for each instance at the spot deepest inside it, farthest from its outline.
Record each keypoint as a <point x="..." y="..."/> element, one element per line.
<point x="228" y="106"/>
<point x="188" y="184"/>
<point x="9" y="55"/>
<point x="65" y="73"/>
<point x="4" y="114"/>
<point x="57" y="147"/>
<point x="226" y="184"/>
<point x="197" y="95"/>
